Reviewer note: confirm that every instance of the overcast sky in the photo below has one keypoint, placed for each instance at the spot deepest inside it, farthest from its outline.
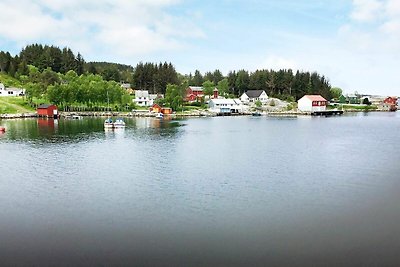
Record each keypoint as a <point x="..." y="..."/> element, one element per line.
<point x="354" y="43"/>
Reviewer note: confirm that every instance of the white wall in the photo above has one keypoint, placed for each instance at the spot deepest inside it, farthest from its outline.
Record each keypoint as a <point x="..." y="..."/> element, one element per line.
<point x="305" y="104"/>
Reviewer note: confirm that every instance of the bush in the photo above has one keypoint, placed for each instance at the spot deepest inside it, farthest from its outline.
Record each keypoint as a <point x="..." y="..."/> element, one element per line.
<point x="272" y="103"/>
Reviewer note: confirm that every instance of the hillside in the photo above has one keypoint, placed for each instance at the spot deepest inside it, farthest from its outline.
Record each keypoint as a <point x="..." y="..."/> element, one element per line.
<point x="9" y="81"/>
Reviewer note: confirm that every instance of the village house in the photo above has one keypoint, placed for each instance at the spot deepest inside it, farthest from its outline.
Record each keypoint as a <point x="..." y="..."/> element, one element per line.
<point x="391" y="100"/>
<point x="252" y="96"/>
<point x="11" y="91"/>
<point x="312" y="103"/>
<point x="156" y="108"/>
<point x="195" y="93"/>
<point x="225" y="106"/>
<point x="144" y="99"/>
<point x="390" y="103"/>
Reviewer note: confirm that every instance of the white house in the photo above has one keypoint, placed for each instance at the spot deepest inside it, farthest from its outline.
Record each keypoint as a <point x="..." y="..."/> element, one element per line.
<point x="225" y="106"/>
<point x="11" y="91"/>
<point x="311" y="103"/>
<point x="142" y="98"/>
<point x="252" y="96"/>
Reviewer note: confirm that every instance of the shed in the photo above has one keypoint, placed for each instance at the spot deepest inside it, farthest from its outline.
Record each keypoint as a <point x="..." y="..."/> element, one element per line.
<point x="156" y="108"/>
<point x="47" y="110"/>
<point x="166" y="111"/>
<point x="312" y="103"/>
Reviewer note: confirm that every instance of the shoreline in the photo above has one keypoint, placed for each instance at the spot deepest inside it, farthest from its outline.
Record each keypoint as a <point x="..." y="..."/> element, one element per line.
<point x="197" y="113"/>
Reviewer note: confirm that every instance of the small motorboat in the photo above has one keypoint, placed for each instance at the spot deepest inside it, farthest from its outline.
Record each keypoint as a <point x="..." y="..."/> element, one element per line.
<point x="256" y="114"/>
<point x="108" y="124"/>
<point x="119" y="123"/>
<point x="159" y="115"/>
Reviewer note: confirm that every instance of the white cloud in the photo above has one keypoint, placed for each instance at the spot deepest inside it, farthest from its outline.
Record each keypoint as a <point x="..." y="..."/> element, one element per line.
<point x="124" y="27"/>
<point x="367" y="10"/>
<point x="277" y="62"/>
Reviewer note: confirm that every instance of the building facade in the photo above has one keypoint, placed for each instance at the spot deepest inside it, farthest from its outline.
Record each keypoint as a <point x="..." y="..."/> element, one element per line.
<point x="312" y="103"/>
<point x="252" y="96"/>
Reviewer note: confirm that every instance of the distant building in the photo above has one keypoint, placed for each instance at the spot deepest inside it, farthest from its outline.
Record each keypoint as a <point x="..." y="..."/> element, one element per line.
<point x="11" y="91"/>
<point x="252" y="96"/>
<point x="144" y="99"/>
<point x="312" y="103"/>
<point x="391" y="100"/>
<point x="225" y="106"/>
<point x="156" y="108"/>
<point x="47" y="110"/>
<point x="195" y="93"/>
<point x="390" y="103"/>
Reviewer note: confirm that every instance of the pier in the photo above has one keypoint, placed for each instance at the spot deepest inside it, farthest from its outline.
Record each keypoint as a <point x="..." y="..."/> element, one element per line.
<point x="327" y="113"/>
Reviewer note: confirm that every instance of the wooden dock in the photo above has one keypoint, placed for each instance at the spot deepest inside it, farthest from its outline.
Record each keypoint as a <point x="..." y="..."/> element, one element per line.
<point x="327" y="113"/>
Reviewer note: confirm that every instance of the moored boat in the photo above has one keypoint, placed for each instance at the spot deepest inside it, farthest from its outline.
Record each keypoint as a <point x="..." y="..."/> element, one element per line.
<point x="119" y="123"/>
<point x="2" y="129"/>
<point x="108" y="123"/>
<point x="159" y="115"/>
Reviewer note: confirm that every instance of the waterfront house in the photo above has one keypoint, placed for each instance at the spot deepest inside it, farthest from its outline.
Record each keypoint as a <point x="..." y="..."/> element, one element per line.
<point x="156" y="108"/>
<point x="47" y="110"/>
<point x="195" y="93"/>
<point x="11" y="91"/>
<point x="225" y="106"/>
<point x="391" y="100"/>
<point x="312" y="103"/>
<point x="390" y="103"/>
<point x="252" y="96"/>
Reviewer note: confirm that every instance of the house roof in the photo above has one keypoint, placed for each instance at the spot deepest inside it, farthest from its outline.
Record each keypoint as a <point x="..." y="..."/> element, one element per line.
<point x="141" y="93"/>
<point x="254" y="93"/>
<point x="196" y="88"/>
<point x="226" y="101"/>
<point x="315" y="97"/>
<point x="44" y="105"/>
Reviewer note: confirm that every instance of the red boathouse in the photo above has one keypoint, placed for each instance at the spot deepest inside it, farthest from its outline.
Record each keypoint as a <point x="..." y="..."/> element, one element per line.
<point x="47" y="110"/>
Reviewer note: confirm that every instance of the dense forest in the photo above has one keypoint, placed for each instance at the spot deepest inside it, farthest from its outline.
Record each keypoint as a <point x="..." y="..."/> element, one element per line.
<point x="49" y="63"/>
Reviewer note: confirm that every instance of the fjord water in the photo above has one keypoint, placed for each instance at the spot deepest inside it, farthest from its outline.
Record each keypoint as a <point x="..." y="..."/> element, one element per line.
<point x="225" y="191"/>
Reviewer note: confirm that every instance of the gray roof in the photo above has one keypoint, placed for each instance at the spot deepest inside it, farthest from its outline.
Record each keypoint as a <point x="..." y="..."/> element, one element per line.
<point x="254" y="93"/>
<point x="44" y="105"/>
<point x="141" y="93"/>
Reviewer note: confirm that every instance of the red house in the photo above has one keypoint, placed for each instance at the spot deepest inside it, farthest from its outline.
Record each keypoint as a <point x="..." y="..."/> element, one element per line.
<point x="47" y="110"/>
<point x="194" y="93"/>
<point x="158" y="109"/>
<point x="155" y="108"/>
<point x="390" y="100"/>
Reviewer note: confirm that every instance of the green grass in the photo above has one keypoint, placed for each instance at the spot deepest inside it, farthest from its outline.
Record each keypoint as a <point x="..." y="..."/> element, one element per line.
<point x="9" y="81"/>
<point x="12" y="105"/>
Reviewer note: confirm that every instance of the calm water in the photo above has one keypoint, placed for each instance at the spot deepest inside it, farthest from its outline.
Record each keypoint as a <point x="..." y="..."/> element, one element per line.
<point x="240" y="191"/>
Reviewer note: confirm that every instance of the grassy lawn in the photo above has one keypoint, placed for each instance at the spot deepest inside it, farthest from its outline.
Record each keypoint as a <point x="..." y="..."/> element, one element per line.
<point x="9" y="81"/>
<point x="12" y="105"/>
<point x="353" y="107"/>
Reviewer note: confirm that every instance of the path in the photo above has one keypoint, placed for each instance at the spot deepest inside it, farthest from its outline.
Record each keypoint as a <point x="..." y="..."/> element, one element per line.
<point x="19" y="108"/>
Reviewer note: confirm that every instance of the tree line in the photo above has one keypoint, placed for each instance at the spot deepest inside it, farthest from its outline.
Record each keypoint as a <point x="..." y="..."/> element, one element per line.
<point x="50" y="62"/>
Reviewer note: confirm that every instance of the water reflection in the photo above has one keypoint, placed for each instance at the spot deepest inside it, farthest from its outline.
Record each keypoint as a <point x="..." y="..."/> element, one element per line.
<point x="63" y="130"/>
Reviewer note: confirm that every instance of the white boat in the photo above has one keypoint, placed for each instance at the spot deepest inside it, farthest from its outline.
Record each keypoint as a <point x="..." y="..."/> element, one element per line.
<point x="159" y="115"/>
<point x="119" y="123"/>
<point x="108" y="123"/>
